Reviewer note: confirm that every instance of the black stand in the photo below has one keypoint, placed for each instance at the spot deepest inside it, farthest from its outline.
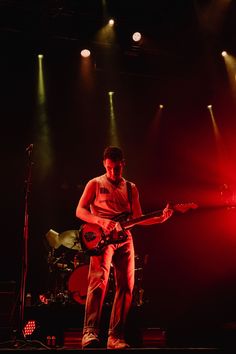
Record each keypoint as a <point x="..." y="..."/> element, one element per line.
<point x="20" y="341"/>
<point x="24" y="268"/>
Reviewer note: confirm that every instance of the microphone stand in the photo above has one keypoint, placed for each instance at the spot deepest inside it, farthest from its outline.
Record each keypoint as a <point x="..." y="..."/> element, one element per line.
<point x="24" y="269"/>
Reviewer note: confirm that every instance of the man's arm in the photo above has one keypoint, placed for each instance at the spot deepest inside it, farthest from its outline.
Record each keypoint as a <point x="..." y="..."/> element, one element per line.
<point x="166" y="214"/>
<point x="137" y="211"/>
<point x="83" y="207"/>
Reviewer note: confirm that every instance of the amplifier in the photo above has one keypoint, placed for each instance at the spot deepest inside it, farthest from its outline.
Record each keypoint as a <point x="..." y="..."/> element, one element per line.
<point x="7" y="309"/>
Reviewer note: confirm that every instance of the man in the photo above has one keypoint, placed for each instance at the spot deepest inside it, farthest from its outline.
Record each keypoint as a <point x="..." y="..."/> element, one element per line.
<point x="104" y="199"/>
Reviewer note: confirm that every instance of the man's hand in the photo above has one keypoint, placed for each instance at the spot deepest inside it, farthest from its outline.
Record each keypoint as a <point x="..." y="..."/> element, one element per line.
<point x="167" y="212"/>
<point x="107" y="225"/>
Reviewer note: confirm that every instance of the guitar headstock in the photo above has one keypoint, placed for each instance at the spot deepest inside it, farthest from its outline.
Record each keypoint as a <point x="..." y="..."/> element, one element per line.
<point x="183" y="207"/>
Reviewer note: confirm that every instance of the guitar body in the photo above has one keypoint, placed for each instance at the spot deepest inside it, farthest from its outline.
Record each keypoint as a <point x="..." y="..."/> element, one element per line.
<point x="93" y="238"/>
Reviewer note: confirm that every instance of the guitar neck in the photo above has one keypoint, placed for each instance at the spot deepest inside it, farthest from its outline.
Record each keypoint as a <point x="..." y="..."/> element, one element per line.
<point x="183" y="207"/>
<point x="130" y="223"/>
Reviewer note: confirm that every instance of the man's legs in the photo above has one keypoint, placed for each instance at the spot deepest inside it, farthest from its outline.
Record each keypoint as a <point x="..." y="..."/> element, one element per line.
<point x="123" y="262"/>
<point x="99" y="269"/>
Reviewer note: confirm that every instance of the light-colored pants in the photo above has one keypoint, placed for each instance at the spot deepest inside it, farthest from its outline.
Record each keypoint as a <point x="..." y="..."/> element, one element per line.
<point x="121" y="256"/>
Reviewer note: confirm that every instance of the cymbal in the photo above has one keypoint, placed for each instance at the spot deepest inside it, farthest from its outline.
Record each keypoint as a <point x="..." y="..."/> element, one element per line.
<point x="70" y="239"/>
<point x="53" y="238"/>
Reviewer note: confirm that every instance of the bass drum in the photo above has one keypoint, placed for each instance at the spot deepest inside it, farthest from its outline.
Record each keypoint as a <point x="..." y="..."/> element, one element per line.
<point x="78" y="284"/>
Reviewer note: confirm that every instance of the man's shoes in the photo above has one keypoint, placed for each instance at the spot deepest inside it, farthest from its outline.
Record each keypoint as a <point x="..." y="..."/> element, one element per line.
<point x="116" y="343"/>
<point x="90" y="340"/>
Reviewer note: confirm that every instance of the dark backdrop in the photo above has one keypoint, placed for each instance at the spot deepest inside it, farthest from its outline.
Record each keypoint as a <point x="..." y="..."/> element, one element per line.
<point x="189" y="262"/>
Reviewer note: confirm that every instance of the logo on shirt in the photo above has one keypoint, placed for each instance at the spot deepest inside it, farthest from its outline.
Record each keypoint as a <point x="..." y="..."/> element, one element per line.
<point x="104" y="190"/>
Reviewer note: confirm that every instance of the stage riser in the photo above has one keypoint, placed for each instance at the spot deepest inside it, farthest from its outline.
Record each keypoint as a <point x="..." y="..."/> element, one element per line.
<point x="66" y="322"/>
<point x="8" y="309"/>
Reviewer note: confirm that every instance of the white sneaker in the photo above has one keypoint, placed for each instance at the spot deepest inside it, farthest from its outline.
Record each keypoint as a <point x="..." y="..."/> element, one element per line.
<point x="116" y="343"/>
<point x="90" y="340"/>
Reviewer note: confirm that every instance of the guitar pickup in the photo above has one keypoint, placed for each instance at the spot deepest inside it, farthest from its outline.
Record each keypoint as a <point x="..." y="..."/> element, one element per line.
<point x="89" y="236"/>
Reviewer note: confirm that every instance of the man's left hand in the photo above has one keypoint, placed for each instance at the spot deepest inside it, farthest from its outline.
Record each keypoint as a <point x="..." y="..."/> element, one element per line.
<point x="167" y="212"/>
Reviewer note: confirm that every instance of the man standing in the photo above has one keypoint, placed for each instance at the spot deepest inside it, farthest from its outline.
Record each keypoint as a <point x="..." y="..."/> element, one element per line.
<point x="104" y="199"/>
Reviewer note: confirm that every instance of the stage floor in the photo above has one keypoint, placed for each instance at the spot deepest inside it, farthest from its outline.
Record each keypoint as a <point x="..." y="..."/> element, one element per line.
<point x="59" y="328"/>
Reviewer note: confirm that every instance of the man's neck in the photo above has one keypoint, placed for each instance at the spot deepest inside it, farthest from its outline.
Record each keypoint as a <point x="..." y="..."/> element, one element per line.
<point x="116" y="182"/>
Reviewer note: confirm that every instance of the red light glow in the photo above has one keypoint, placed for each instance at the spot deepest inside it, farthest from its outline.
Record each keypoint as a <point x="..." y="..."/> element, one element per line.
<point x="29" y="328"/>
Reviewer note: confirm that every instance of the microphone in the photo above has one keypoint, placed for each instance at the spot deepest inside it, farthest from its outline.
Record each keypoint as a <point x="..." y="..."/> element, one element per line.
<point x="29" y="148"/>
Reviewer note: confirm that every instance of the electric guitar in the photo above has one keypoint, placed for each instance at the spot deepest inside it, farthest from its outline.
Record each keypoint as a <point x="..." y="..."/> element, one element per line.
<point x="93" y="238"/>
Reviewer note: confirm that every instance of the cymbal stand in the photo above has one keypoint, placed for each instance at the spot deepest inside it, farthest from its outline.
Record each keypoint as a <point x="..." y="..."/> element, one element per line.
<point x="24" y="266"/>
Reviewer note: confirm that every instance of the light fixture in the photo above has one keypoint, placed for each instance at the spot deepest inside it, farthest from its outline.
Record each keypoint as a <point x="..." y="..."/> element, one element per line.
<point x="85" y="53"/>
<point x="111" y="22"/>
<point x="29" y="328"/>
<point x="136" y="36"/>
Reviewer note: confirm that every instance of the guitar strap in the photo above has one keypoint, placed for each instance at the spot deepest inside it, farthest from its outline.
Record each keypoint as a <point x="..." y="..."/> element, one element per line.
<point x="129" y="191"/>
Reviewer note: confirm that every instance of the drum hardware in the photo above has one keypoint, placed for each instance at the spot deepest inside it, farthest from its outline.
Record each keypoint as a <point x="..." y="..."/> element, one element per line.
<point x="76" y="261"/>
<point x="57" y="292"/>
<point x="62" y="297"/>
<point x="53" y="298"/>
<point x="138" y="292"/>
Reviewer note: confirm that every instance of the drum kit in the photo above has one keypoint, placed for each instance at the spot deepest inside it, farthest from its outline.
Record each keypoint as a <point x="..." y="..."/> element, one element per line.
<point x="68" y="271"/>
<point x="68" y="268"/>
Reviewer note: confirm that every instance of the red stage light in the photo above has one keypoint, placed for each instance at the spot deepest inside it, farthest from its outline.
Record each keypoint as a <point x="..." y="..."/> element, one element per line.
<point x="29" y="328"/>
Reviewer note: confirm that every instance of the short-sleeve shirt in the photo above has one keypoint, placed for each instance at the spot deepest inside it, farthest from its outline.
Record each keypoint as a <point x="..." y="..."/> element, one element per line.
<point x="110" y="200"/>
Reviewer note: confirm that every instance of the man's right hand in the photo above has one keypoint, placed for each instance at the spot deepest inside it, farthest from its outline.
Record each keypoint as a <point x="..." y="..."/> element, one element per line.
<point x="107" y="225"/>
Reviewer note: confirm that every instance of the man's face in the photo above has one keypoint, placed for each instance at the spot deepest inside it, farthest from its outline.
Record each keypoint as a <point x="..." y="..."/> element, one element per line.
<point x="114" y="170"/>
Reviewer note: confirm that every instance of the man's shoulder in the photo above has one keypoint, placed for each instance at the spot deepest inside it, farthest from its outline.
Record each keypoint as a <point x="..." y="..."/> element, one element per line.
<point x="97" y="179"/>
<point x="94" y="183"/>
<point x="130" y="182"/>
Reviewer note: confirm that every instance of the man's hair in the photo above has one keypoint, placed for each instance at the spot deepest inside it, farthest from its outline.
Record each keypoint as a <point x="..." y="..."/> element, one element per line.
<point x="113" y="153"/>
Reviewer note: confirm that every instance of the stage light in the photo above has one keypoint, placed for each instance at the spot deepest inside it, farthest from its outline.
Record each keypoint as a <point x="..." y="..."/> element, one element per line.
<point x="85" y="53"/>
<point x="136" y="36"/>
<point x="161" y="106"/>
<point x="209" y="106"/>
<point x="40" y="56"/>
<point x="111" y="22"/>
<point x="29" y="328"/>
<point x="224" y="53"/>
